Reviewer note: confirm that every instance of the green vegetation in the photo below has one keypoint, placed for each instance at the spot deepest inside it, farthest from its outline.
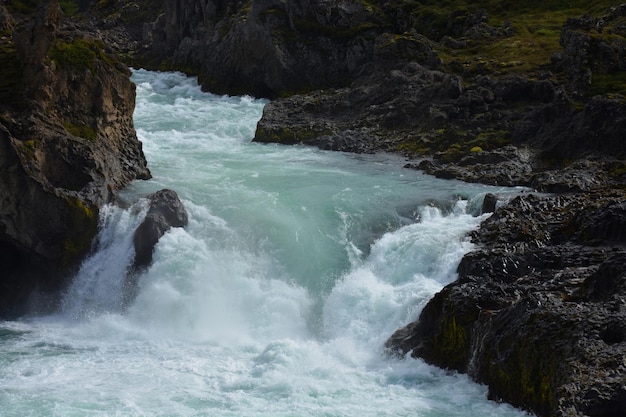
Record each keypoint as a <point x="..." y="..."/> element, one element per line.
<point x="29" y="147"/>
<point x="84" y="222"/>
<point x="452" y="341"/>
<point x="80" y="54"/>
<point x="613" y="82"/>
<point x="23" y="6"/>
<point x="82" y="131"/>
<point x="521" y="379"/>
<point x="70" y="8"/>
<point x="288" y="135"/>
<point x="534" y="31"/>
<point x="451" y="144"/>
<point x="77" y="54"/>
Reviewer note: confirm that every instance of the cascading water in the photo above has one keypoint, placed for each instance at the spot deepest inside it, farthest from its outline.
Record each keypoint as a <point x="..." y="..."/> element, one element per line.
<point x="275" y="300"/>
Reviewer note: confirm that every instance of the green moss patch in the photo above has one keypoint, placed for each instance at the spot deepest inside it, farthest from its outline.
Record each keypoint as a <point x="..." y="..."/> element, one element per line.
<point x="82" y="131"/>
<point x="288" y="135"/>
<point x="83" y="226"/>
<point x="76" y="54"/>
<point x="23" y="6"/>
<point x="613" y="82"/>
<point x="451" y="144"/>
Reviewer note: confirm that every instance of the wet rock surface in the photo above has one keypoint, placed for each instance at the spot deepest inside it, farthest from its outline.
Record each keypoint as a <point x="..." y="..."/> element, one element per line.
<point x="539" y="309"/>
<point x="165" y="211"/>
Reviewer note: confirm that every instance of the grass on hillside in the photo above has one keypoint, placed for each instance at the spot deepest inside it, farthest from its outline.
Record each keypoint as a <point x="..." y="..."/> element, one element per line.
<point x="537" y="27"/>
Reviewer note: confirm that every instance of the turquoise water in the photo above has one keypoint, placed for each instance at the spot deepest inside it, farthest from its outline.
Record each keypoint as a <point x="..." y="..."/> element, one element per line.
<point x="275" y="300"/>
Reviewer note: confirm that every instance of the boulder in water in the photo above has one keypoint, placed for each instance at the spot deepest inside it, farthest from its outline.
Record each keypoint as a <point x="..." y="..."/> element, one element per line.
<point x="166" y="211"/>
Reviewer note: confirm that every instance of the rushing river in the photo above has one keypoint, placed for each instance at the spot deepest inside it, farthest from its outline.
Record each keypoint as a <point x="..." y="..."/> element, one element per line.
<point x="275" y="300"/>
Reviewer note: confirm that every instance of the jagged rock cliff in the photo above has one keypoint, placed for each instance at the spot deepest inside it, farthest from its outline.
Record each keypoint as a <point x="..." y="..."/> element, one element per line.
<point x="67" y="143"/>
<point x="271" y="47"/>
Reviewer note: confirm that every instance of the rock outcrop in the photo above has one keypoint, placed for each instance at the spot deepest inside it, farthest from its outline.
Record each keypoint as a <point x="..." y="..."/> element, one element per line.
<point x="67" y="143"/>
<point x="165" y="211"/>
<point x="588" y="59"/>
<point x="268" y="48"/>
<point x="501" y="131"/>
<point x="538" y="311"/>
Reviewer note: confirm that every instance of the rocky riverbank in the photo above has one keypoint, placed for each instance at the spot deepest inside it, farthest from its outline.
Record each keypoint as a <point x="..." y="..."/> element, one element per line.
<point x="507" y="94"/>
<point x="538" y="312"/>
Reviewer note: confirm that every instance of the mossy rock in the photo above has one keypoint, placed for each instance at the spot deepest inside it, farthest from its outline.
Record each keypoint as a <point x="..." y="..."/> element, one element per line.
<point x="83" y="227"/>
<point x="535" y="32"/>
<point x="609" y="83"/>
<point x="78" y="54"/>
<point x="288" y="135"/>
<point x="82" y="131"/>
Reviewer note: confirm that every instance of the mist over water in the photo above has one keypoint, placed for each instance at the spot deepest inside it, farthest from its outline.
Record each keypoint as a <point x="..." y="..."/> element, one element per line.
<point x="276" y="299"/>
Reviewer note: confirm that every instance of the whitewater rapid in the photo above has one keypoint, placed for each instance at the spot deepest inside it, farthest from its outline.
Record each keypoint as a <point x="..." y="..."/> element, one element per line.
<point x="276" y="299"/>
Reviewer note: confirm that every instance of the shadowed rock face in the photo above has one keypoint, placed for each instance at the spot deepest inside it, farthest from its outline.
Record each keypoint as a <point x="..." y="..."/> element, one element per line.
<point x="268" y="48"/>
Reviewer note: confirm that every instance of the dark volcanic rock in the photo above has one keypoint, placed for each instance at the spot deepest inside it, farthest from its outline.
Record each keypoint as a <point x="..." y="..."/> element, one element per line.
<point x="538" y="312"/>
<point x="585" y="53"/>
<point x="362" y="118"/>
<point x="273" y="48"/>
<point x="166" y="211"/>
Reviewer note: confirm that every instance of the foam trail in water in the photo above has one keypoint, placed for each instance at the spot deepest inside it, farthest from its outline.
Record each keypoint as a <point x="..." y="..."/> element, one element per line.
<point x="207" y="285"/>
<point x="402" y="271"/>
